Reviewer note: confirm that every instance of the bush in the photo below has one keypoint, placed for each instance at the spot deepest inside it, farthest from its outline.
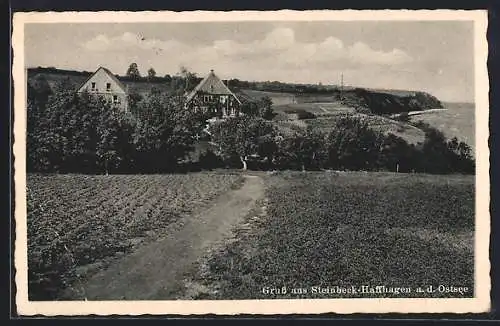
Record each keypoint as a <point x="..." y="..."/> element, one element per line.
<point x="245" y="137"/>
<point x="352" y="145"/>
<point x="83" y="133"/>
<point x="301" y="151"/>
<point x="209" y="160"/>
<point x="301" y="113"/>
<point x="439" y="155"/>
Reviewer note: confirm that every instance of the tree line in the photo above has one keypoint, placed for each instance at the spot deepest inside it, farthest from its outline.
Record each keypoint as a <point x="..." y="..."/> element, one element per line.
<point x="79" y="133"/>
<point x="350" y="145"/>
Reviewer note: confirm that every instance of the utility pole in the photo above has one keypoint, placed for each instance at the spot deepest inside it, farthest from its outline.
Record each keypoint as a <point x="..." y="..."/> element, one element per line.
<point x="341" y="86"/>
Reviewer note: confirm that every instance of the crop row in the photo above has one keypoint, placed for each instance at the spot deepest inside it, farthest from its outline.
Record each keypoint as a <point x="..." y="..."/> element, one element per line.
<point x="75" y="220"/>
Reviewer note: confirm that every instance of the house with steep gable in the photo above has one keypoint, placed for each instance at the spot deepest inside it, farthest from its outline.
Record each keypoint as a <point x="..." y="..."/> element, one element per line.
<point x="212" y="94"/>
<point x="103" y="83"/>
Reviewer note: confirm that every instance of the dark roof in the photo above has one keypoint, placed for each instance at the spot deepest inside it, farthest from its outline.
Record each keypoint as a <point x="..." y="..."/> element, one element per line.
<point x="211" y="84"/>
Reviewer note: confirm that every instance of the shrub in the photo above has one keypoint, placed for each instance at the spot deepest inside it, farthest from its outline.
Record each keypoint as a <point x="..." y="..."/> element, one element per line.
<point x="301" y="151"/>
<point x="244" y="137"/>
<point x="301" y="113"/>
<point x="352" y="145"/>
<point x="209" y="160"/>
<point x="439" y="155"/>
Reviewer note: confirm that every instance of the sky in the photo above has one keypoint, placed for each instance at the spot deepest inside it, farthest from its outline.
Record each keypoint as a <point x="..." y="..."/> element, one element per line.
<point x="432" y="56"/>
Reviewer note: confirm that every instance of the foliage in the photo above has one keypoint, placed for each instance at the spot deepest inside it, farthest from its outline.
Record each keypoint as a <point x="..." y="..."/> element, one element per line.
<point x="75" y="134"/>
<point x="114" y="144"/>
<point x="301" y="151"/>
<point x="444" y="156"/>
<point x="243" y="137"/>
<point x="190" y="79"/>
<point x="403" y="117"/>
<point x="266" y="108"/>
<point x="258" y="108"/>
<point x="69" y="133"/>
<point x="39" y="90"/>
<point x="133" y="71"/>
<point x="352" y="145"/>
<point x="133" y="99"/>
<point x="301" y="113"/>
<point x="250" y="108"/>
<point x="165" y="133"/>
<point x="397" y="155"/>
<point x="151" y="73"/>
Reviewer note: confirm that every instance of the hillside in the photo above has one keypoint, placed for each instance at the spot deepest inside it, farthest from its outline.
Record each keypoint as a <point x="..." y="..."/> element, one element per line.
<point x="375" y="101"/>
<point x="76" y="78"/>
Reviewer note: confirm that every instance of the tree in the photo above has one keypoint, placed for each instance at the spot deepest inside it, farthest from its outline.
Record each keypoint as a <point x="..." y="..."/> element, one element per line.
<point x="151" y="73"/>
<point x="303" y="150"/>
<point x="190" y="79"/>
<point x="133" y="99"/>
<point x="114" y="140"/>
<point x="244" y="137"/>
<point x="133" y="71"/>
<point x="39" y="89"/>
<point x="397" y="155"/>
<point x="266" y="108"/>
<point x="352" y="145"/>
<point x="250" y="108"/>
<point x="165" y="132"/>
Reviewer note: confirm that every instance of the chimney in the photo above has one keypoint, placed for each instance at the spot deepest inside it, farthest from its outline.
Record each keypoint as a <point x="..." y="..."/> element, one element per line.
<point x="211" y="71"/>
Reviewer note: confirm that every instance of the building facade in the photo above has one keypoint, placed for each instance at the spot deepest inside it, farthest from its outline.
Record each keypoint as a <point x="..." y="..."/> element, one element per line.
<point x="103" y="83"/>
<point x="213" y="96"/>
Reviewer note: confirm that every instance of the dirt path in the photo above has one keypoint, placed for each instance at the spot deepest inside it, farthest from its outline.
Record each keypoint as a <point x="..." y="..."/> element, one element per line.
<point x="156" y="270"/>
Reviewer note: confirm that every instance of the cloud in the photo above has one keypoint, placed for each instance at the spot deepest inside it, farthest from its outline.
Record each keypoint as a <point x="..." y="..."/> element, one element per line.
<point x="127" y="41"/>
<point x="362" y="53"/>
<point x="278" y="47"/>
<point x="278" y="39"/>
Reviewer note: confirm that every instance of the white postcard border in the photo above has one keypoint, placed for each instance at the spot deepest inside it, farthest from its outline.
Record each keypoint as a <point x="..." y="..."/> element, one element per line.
<point x="481" y="303"/>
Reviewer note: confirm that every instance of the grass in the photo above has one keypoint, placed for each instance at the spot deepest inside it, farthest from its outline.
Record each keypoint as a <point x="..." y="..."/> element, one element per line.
<point x="316" y="108"/>
<point x="78" y="222"/>
<point x="325" y="122"/>
<point x="350" y="229"/>
<point x="277" y="98"/>
<point x="384" y="125"/>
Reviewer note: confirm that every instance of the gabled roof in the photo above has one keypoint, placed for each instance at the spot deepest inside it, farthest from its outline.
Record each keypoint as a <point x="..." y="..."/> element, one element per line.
<point x="211" y="84"/>
<point x="110" y="74"/>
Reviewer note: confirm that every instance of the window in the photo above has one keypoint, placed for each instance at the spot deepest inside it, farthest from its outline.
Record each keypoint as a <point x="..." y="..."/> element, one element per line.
<point x="115" y="99"/>
<point x="108" y="86"/>
<point x="93" y="86"/>
<point x="207" y="98"/>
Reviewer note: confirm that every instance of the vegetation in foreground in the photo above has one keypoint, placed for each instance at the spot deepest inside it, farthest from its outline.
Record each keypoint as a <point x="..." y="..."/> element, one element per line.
<point x="83" y="134"/>
<point x="77" y="222"/>
<point x="354" y="229"/>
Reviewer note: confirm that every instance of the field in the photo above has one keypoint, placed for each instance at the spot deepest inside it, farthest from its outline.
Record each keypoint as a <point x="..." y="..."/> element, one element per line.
<point x="409" y="133"/>
<point x="349" y="229"/>
<point x="77" y="223"/>
<point x="319" y="109"/>
<point x="327" y="114"/>
<point x="277" y="98"/>
<point x="457" y="121"/>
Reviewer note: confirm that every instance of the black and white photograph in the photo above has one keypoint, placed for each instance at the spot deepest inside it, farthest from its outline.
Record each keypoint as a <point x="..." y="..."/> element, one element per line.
<point x="305" y="162"/>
